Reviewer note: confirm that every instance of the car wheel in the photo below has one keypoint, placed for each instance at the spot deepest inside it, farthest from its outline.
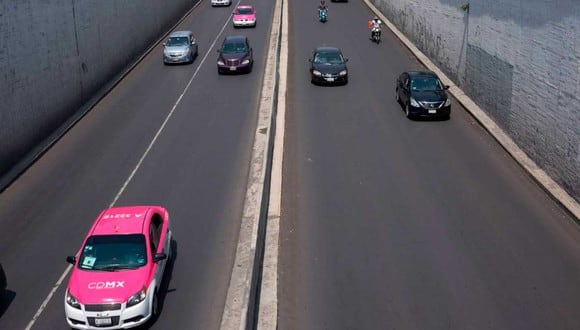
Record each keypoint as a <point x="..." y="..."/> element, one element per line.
<point x="397" y="95"/>
<point x="408" y="112"/>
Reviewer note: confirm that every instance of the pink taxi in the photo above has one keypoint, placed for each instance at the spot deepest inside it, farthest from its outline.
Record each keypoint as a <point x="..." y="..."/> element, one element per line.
<point x="117" y="273"/>
<point x="244" y="15"/>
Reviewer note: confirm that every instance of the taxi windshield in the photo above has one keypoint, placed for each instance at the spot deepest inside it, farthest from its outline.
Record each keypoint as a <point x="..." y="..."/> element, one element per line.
<point x="244" y="11"/>
<point x="113" y="252"/>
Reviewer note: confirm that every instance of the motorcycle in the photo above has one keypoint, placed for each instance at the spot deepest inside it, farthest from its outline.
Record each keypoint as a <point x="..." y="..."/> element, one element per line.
<point x="322" y="14"/>
<point x="376" y="35"/>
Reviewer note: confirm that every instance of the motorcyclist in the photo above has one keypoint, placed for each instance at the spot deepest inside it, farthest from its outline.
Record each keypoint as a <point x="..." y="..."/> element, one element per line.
<point x="375" y="26"/>
<point x="322" y="7"/>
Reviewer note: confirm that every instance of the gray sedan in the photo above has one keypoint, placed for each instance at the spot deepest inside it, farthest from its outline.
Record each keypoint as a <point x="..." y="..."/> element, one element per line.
<point x="180" y="47"/>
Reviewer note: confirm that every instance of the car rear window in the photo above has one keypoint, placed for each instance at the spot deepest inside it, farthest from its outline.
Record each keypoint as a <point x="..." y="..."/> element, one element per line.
<point x="113" y="252"/>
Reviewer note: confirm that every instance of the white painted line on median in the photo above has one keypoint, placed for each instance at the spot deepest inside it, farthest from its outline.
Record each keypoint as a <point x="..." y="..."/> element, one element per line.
<point x="135" y="169"/>
<point x="240" y="290"/>
<point x="548" y="184"/>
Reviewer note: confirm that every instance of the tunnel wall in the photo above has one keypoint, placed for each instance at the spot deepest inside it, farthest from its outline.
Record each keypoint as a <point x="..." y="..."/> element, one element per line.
<point x="518" y="60"/>
<point x="56" y="54"/>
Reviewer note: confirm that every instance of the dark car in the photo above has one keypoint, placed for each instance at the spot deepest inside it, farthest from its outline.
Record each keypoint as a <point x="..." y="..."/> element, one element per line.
<point x="328" y="66"/>
<point x="421" y="93"/>
<point x="3" y="283"/>
<point x="235" y="55"/>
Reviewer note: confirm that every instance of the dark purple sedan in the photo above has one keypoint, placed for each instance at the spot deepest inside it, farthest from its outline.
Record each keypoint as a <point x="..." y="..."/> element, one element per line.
<point x="235" y="55"/>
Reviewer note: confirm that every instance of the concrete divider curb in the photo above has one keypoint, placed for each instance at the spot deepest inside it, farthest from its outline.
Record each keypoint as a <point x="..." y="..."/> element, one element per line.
<point x="268" y="307"/>
<point x="539" y="175"/>
<point x="239" y="310"/>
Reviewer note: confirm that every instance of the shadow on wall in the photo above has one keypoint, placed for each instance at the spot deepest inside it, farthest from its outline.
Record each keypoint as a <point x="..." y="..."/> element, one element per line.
<point x="523" y="13"/>
<point x="491" y="89"/>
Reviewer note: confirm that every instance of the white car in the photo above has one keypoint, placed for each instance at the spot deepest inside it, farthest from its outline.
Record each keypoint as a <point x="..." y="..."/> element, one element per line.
<point x="215" y="3"/>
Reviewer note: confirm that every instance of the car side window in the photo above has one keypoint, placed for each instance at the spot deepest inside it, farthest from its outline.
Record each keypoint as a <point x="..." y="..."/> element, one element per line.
<point x="155" y="232"/>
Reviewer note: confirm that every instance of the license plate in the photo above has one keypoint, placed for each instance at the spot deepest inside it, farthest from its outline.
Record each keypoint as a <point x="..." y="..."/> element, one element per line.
<point x="330" y="79"/>
<point x="432" y="111"/>
<point x="233" y="68"/>
<point x="103" y="321"/>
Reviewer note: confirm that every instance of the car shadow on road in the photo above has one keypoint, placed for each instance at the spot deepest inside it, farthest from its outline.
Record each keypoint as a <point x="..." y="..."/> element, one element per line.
<point x="5" y="300"/>
<point x="164" y="287"/>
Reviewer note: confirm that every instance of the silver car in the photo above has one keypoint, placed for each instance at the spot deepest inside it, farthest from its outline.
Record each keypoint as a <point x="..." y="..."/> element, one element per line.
<point x="180" y="47"/>
<point x="215" y="3"/>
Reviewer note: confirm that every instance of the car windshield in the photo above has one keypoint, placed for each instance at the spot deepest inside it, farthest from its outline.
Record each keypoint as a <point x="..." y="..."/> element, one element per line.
<point x="328" y="58"/>
<point x="244" y="11"/>
<point x="231" y="47"/>
<point x="426" y="84"/>
<point x="113" y="252"/>
<point x="177" y="41"/>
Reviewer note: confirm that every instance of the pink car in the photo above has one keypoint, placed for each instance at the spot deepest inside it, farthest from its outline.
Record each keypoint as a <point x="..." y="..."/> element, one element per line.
<point x="244" y="16"/>
<point x="116" y="275"/>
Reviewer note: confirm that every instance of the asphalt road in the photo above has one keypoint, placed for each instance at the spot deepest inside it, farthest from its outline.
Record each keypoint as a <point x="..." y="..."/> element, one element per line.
<point x="197" y="168"/>
<point x="389" y="223"/>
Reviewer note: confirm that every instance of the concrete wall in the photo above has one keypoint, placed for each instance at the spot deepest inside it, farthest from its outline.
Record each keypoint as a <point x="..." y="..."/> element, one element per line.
<point x="519" y="60"/>
<point x="55" y="54"/>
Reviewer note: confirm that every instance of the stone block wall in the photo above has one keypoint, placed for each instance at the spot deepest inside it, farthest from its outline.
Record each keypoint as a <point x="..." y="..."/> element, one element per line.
<point x="56" y="54"/>
<point x="518" y="60"/>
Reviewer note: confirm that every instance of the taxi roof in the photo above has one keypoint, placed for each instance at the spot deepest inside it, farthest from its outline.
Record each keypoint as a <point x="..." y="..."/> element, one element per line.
<point x="121" y="220"/>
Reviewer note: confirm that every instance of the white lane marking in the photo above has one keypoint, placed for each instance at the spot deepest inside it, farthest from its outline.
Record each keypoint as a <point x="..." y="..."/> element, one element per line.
<point x="268" y="306"/>
<point x="128" y="180"/>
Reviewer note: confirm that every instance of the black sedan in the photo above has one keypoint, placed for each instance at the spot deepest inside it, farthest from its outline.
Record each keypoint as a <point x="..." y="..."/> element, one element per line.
<point x="421" y="93"/>
<point x="328" y="66"/>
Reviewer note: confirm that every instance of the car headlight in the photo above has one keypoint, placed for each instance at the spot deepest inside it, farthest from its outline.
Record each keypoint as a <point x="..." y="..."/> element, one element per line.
<point x="414" y="103"/>
<point x="220" y="62"/>
<point x="137" y="297"/>
<point x="244" y="62"/>
<point x="316" y="73"/>
<point x="447" y="103"/>
<point x="342" y="73"/>
<point x="72" y="300"/>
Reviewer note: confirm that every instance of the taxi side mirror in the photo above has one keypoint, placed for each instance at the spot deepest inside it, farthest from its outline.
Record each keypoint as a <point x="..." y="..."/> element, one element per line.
<point x="159" y="256"/>
<point x="71" y="260"/>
